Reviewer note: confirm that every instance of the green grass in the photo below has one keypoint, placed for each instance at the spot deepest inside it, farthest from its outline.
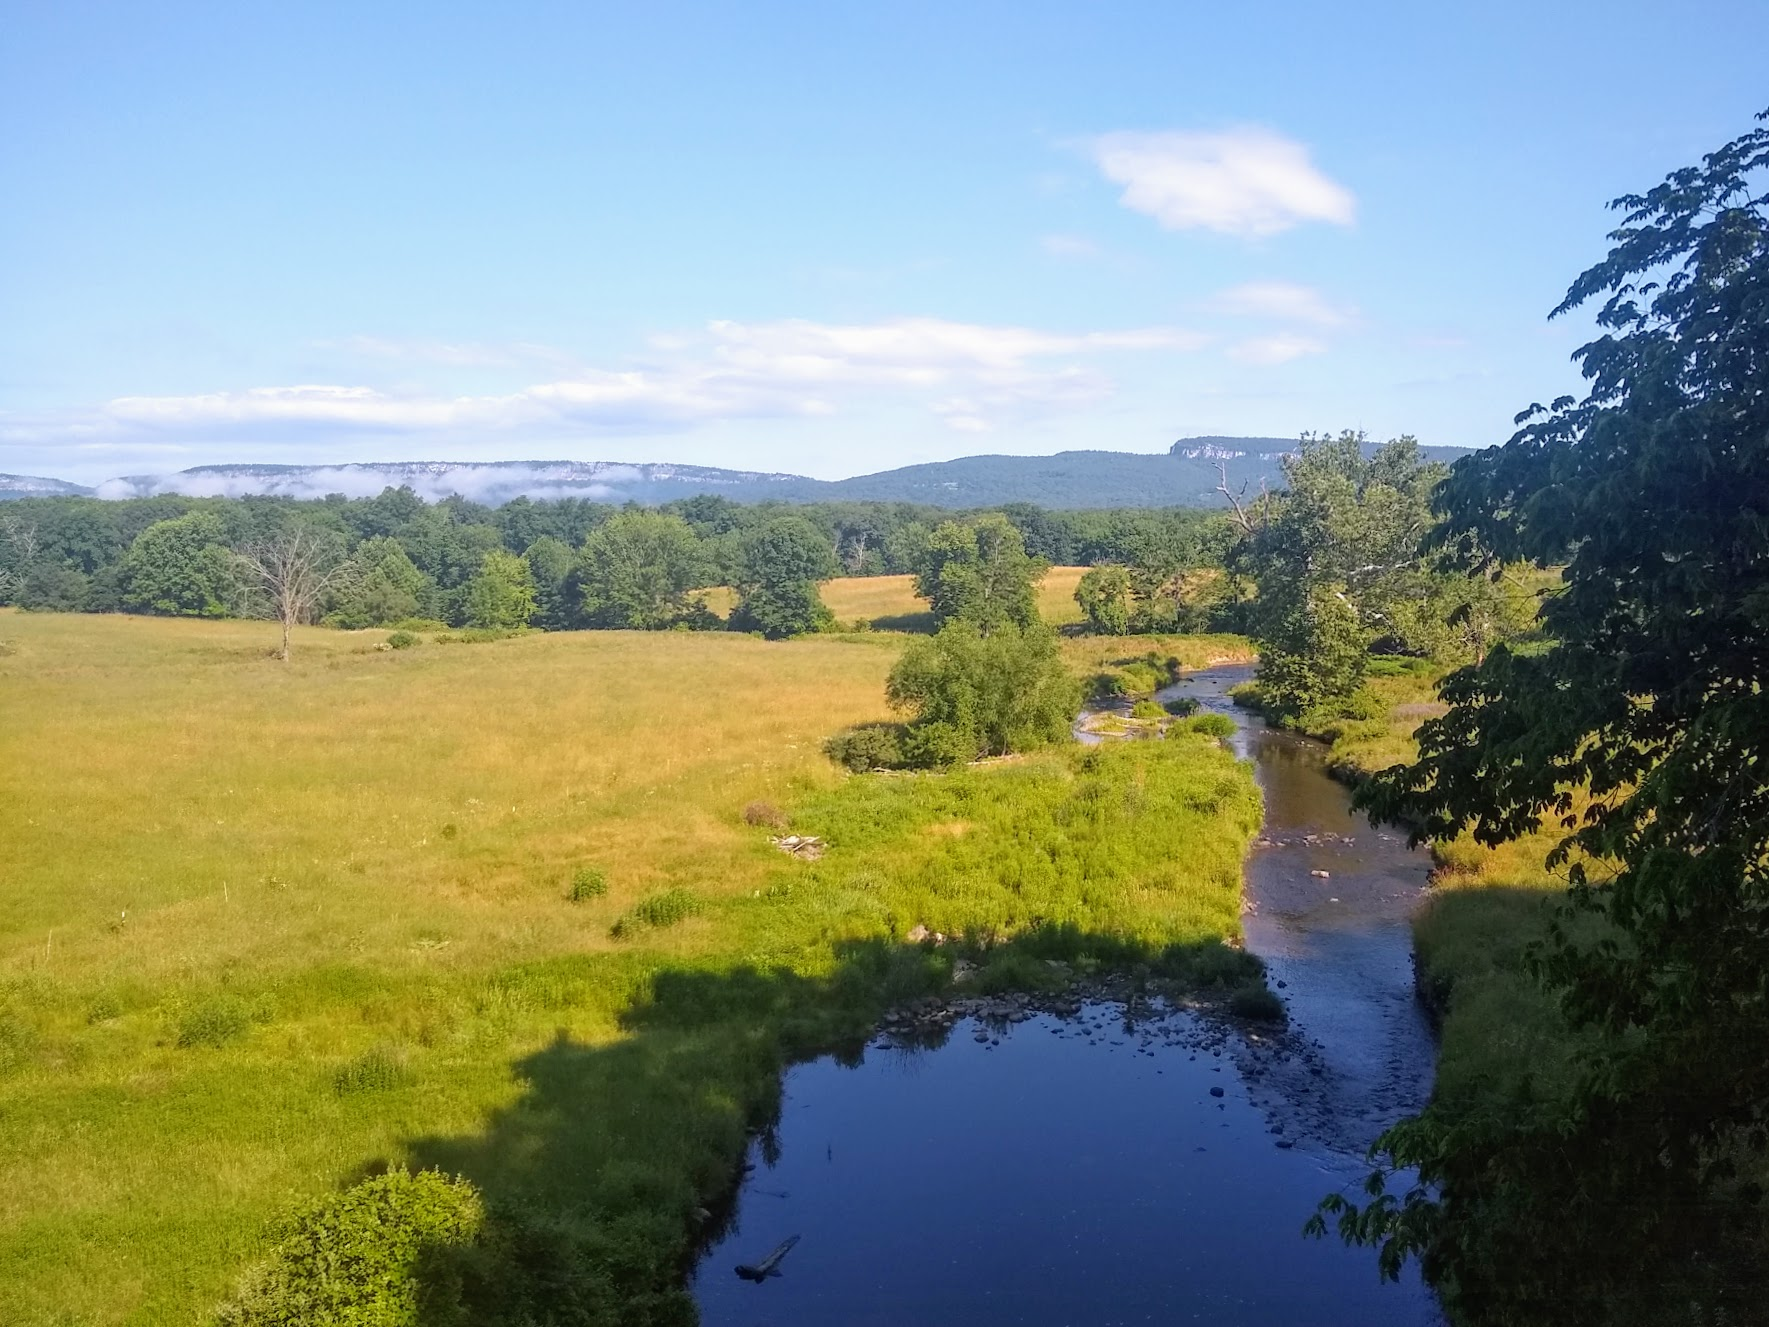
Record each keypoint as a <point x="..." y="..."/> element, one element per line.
<point x="244" y="963"/>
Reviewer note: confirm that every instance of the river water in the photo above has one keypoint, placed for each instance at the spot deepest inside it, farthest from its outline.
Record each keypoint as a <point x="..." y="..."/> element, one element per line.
<point x="1126" y="1165"/>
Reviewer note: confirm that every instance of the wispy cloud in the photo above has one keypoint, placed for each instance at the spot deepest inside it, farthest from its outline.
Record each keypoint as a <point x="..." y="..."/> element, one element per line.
<point x="970" y="375"/>
<point x="1246" y="181"/>
<point x="1278" y="348"/>
<point x="1280" y="301"/>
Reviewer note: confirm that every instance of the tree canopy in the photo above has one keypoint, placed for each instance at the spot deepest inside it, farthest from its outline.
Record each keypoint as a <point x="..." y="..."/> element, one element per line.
<point x="1644" y="733"/>
<point x="979" y="572"/>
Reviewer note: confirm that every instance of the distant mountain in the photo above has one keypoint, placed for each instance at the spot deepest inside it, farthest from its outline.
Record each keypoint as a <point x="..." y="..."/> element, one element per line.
<point x="491" y="482"/>
<point x="1187" y="475"/>
<point x="33" y="486"/>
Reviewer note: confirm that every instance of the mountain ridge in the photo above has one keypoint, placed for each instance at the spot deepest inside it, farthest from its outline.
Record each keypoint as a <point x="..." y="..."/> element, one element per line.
<point x="1187" y="475"/>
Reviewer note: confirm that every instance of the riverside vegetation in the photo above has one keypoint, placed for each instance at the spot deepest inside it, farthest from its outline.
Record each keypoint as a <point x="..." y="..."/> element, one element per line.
<point x="301" y="941"/>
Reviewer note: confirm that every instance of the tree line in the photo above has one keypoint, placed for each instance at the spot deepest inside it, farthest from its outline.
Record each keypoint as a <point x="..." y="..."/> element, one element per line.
<point x="554" y="565"/>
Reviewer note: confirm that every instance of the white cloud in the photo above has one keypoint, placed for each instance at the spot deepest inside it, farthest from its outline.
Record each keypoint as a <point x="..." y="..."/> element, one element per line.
<point x="1246" y="181"/>
<point x="1281" y="301"/>
<point x="1279" y="348"/>
<point x="970" y="375"/>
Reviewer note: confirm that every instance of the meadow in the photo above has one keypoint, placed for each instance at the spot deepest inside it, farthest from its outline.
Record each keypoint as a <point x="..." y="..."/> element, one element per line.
<point x="509" y="909"/>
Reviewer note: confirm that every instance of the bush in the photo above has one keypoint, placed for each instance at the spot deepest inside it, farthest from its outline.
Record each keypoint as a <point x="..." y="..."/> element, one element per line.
<point x="1181" y="707"/>
<point x="657" y="911"/>
<point x="1259" y="1003"/>
<point x="1362" y="704"/>
<point x="214" y="1022"/>
<point x="378" y="1069"/>
<point x="476" y="635"/>
<point x="1212" y="725"/>
<point x="404" y="640"/>
<point x="1147" y="709"/>
<point x="374" y="1255"/>
<point x="587" y="883"/>
<point x="975" y="695"/>
<point x="871" y="746"/>
<point x="764" y="814"/>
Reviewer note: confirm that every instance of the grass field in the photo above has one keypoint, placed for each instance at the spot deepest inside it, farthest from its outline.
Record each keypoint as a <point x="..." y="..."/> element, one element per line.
<point x="888" y="602"/>
<point x="265" y="929"/>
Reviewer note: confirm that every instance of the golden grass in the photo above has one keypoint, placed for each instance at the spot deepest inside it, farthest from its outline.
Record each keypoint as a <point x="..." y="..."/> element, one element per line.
<point x="177" y="801"/>
<point x="892" y="598"/>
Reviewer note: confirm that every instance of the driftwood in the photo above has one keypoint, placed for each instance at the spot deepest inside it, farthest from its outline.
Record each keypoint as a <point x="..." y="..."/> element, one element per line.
<point x="769" y="1266"/>
<point x="806" y="846"/>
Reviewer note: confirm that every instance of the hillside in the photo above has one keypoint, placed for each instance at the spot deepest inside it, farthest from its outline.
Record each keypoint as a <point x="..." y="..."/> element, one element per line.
<point x="1185" y="476"/>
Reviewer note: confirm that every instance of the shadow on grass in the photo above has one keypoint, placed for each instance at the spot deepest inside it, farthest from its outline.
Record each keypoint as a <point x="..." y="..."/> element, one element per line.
<point x="620" y="1161"/>
<point x="920" y="624"/>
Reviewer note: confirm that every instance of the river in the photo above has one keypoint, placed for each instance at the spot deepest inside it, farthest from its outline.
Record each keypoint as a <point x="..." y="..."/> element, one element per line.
<point x="1125" y="1165"/>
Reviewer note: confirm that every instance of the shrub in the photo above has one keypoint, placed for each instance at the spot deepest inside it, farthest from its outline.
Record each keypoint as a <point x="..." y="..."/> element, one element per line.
<point x="104" y="1009"/>
<point x="657" y="911"/>
<point x="375" y="1254"/>
<point x="378" y="1069"/>
<point x="214" y="1022"/>
<point x="1212" y="725"/>
<point x="764" y="813"/>
<point x="1147" y="709"/>
<point x="587" y="882"/>
<point x="1257" y="1002"/>
<point x="404" y="640"/>
<point x="1362" y="704"/>
<point x="868" y="747"/>
<point x="975" y="695"/>
<point x="1181" y="707"/>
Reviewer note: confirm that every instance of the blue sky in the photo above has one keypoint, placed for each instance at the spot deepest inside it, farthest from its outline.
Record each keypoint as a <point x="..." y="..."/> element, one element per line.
<point x="823" y="238"/>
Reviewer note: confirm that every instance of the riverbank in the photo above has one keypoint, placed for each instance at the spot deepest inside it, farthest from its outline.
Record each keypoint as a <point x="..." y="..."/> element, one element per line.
<point x="1486" y="907"/>
<point x="281" y="935"/>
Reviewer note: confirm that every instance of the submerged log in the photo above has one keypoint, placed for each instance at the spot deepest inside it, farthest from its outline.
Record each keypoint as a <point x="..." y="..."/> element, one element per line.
<point x="769" y="1266"/>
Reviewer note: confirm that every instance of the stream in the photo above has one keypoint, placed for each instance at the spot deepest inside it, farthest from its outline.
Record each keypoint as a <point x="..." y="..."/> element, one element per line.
<point x="1127" y="1164"/>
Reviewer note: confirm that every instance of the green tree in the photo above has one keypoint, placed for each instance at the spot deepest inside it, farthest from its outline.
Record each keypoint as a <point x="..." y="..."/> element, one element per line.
<point x="779" y="566"/>
<point x="181" y="567"/>
<point x="1103" y="595"/>
<point x="980" y="573"/>
<point x="1339" y="563"/>
<point x="973" y="695"/>
<point x="501" y="596"/>
<point x="388" y="589"/>
<point x="551" y="562"/>
<point x="1640" y="1195"/>
<point x="639" y="570"/>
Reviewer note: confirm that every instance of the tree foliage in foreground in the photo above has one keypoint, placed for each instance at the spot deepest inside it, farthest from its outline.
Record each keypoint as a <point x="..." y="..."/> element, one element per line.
<point x="1642" y="1195"/>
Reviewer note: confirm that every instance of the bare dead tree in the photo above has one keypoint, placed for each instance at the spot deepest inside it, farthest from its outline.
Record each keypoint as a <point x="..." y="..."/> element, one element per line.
<point x="296" y="568"/>
<point x="1243" y="513"/>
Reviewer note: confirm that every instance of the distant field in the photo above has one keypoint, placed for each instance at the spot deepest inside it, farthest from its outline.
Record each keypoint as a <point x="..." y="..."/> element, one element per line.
<point x="889" y="602"/>
<point x="228" y="885"/>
